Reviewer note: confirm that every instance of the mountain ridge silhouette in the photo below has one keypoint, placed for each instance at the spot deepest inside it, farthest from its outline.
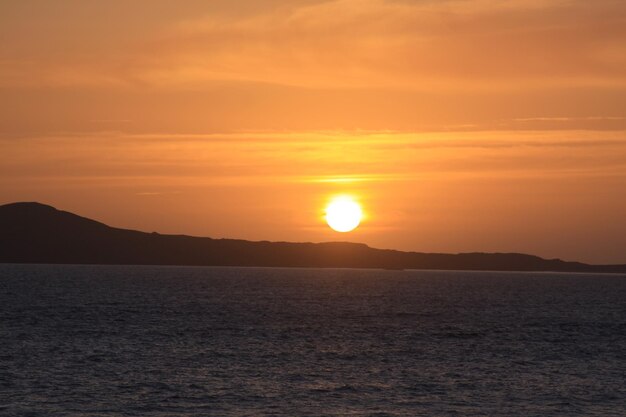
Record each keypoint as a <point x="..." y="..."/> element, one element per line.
<point x="32" y="232"/>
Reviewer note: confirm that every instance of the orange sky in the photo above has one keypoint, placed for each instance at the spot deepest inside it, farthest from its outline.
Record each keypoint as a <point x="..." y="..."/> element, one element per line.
<point x="467" y="125"/>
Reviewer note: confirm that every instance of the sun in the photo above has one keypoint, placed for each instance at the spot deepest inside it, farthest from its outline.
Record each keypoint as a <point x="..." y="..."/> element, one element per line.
<point x="343" y="214"/>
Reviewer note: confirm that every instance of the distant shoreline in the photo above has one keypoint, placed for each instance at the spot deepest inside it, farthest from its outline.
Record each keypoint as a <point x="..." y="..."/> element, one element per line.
<point x="469" y="271"/>
<point x="34" y="233"/>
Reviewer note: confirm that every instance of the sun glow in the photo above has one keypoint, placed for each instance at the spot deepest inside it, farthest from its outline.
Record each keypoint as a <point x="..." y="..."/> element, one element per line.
<point x="343" y="214"/>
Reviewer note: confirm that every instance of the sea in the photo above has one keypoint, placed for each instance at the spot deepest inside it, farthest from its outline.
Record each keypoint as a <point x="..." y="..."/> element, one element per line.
<point x="204" y="341"/>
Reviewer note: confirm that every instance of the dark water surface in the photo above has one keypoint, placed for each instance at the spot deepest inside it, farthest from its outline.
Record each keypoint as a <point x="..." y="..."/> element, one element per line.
<point x="174" y="341"/>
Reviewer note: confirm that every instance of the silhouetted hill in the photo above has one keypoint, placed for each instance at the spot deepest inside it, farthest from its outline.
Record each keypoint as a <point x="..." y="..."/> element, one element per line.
<point x="37" y="233"/>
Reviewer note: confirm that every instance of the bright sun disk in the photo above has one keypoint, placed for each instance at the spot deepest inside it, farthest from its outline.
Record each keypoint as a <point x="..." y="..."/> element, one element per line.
<point x="343" y="214"/>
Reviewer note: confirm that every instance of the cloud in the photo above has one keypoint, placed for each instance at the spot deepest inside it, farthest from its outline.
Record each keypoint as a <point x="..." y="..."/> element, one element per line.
<point x="568" y="119"/>
<point x="422" y="45"/>
<point x="315" y="157"/>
